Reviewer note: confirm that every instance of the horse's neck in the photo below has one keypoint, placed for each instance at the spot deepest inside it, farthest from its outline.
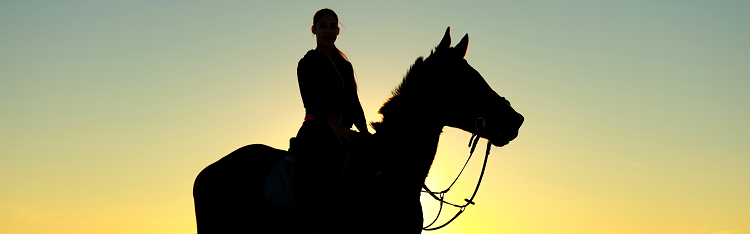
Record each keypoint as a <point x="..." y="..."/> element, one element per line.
<point x="412" y="144"/>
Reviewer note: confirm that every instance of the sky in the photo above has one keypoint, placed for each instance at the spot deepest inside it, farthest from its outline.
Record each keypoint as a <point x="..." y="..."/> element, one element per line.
<point x="636" y="111"/>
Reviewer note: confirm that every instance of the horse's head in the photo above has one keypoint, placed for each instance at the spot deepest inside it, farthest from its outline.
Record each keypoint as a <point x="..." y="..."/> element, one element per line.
<point x="445" y="89"/>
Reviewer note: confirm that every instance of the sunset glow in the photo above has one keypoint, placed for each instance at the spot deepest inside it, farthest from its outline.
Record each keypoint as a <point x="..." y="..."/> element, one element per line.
<point x="636" y="112"/>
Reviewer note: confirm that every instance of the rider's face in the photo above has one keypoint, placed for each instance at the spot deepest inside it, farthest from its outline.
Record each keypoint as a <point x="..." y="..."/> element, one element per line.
<point x="326" y="30"/>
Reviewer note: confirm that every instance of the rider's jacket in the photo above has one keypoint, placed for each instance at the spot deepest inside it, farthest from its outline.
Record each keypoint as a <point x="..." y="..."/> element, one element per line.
<point x="328" y="89"/>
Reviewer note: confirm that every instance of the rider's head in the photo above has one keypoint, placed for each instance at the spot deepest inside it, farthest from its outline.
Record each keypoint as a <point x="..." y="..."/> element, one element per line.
<point x="325" y="27"/>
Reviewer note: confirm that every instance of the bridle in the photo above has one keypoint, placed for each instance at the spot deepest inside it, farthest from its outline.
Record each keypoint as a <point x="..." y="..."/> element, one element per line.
<point x="473" y="144"/>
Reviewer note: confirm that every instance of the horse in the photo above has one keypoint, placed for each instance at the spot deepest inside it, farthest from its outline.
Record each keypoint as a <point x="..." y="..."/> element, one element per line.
<point x="381" y="192"/>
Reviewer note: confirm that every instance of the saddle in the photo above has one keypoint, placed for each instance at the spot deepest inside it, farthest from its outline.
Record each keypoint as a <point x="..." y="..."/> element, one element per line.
<point x="279" y="189"/>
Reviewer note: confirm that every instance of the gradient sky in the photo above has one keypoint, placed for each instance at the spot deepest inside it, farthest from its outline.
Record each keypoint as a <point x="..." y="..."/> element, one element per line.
<point x="636" y="112"/>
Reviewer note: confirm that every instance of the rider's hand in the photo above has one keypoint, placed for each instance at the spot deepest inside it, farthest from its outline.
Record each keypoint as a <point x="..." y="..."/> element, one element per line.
<point x="342" y="133"/>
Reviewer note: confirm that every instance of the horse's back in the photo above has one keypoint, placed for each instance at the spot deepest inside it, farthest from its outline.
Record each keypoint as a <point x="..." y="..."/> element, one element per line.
<point x="229" y="193"/>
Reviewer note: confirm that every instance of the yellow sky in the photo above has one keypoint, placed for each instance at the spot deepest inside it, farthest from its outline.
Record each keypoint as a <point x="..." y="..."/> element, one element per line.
<point x="636" y="113"/>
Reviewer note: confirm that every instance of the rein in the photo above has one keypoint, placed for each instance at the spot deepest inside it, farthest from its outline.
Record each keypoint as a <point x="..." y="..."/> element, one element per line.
<point x="473" y="144"/>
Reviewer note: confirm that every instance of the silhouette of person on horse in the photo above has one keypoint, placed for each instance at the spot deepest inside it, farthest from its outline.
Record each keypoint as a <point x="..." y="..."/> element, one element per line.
<point x="329" y="93"/>
<point x="346" y="181"/>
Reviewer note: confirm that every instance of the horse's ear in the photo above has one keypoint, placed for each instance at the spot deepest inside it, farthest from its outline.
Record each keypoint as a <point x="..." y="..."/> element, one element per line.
<point x="462" y="46"/>
<point x="446" y="42"/>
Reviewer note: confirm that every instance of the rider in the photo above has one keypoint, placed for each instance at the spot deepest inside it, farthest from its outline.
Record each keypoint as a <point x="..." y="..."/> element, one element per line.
<point x="329" y="93"/>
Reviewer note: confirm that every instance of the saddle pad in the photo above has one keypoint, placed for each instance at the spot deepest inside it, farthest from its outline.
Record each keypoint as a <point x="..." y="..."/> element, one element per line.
<point x="278" y="188"/>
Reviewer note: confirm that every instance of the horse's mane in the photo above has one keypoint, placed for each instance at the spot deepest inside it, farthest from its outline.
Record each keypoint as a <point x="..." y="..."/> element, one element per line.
<point x="403" y="90"/>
